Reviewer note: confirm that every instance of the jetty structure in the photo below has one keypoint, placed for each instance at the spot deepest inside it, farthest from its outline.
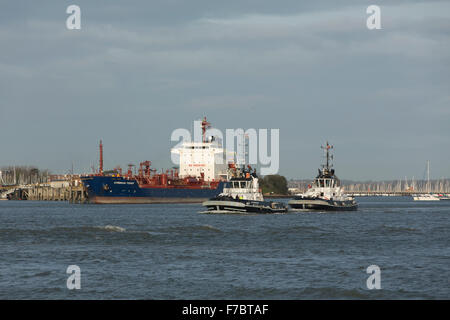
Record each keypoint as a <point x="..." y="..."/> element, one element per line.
<point x="70" y="190"/>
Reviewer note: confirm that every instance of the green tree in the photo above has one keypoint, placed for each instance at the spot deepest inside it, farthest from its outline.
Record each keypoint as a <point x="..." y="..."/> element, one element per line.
<point x="274" y="184"/>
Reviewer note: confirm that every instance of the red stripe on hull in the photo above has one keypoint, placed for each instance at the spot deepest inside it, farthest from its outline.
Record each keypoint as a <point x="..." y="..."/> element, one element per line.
<point x="142" y="200"/>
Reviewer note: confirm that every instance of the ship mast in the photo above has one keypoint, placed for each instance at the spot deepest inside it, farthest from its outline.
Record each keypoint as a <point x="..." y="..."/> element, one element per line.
<point x="101" y="159"/>
<point x="205" y="125"/>
<point x="328" y="156"/>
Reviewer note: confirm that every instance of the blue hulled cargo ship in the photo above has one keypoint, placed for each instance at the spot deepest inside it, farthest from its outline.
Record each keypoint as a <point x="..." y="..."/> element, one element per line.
<point x="109" y="189"/>
<point x="202" y="175"/>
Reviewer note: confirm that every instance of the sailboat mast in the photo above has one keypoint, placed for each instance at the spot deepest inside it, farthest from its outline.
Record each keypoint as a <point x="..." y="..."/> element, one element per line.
<point x="428" y="176"/>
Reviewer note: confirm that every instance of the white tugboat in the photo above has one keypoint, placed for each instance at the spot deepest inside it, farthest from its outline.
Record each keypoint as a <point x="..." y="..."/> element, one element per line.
<point x="242" y="195"/>
<point x="325" y="193"/>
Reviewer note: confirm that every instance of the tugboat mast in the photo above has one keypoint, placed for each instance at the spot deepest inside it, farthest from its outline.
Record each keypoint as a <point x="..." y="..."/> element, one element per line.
<point x="329" y="157"/>
<point x="326" y="192"/>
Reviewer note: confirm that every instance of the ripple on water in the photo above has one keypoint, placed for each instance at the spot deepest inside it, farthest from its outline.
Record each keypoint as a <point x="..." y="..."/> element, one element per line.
<point x="171" y="251"/>
<point x="390" y="229"/>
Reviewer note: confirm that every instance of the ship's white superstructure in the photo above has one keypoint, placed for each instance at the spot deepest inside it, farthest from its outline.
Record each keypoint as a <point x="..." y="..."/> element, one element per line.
<point x="205" y="159"/>
<point x="197" y="158"/>
<point x="327" y="188"/>
<point x="245" y="188"/>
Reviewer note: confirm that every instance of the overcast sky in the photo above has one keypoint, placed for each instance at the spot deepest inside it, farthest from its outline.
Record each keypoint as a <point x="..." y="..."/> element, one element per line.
<point x="137" y="70"/>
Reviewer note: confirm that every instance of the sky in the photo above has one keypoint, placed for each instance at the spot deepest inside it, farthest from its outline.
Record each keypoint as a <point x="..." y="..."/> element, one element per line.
<point x="137" y="70"/>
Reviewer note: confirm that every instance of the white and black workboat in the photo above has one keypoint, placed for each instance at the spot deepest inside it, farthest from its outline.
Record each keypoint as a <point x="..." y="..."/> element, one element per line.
<point x="242" y="195"/>
<point x="325" y="193"/>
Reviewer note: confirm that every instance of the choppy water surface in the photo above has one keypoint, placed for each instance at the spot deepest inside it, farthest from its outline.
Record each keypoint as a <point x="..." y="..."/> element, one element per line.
<point x="174" y="252"/>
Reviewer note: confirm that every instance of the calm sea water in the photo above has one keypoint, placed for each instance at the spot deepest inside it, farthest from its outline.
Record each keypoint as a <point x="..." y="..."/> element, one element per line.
<point x="174" y="252"/>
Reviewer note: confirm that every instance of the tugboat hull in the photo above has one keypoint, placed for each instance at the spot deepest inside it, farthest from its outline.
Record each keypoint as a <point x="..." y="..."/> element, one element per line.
<point x="322" y="205"/>
<point x="243" y="206"/>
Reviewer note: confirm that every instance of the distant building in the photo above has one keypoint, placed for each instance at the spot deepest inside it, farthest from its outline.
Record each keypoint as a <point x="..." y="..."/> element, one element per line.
<point x="59" y="184"/>
<point x="63" y="180"/>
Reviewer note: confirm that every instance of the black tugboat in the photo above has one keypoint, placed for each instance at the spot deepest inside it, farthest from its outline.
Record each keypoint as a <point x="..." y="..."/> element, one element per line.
<point x="325" y="193"/>
<point x="242" y="195"/>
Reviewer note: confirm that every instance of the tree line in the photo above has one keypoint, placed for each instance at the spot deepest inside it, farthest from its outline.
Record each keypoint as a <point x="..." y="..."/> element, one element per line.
<point x="274" y="184"/>
<point x="23" y="175"/>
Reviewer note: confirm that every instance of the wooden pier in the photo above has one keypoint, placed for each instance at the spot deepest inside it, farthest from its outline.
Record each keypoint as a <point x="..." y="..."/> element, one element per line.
<point x="72" y="194"/>
<point x="78" y="195"/>
<point x="46" y="193"/>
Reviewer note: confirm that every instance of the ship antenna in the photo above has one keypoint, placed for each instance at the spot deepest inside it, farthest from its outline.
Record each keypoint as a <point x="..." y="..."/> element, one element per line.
<point x="101" y="158"/>
<point x="205" y="125"/>
<point x="329" y="157"/>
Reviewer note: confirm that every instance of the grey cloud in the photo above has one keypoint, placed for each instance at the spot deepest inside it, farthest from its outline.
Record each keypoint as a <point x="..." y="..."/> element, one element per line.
<point x="138" y="70"/>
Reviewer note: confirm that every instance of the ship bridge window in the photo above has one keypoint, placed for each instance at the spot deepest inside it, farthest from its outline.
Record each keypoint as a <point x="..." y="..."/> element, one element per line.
<point x="321" y="183"/>
<point x="242" y="184"/>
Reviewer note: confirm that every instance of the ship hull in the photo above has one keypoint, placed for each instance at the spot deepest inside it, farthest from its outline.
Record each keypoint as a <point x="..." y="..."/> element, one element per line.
<point x="118" y="190"/>
<point x="322" y="205"/>
<point x="142" y="200"/>
<point x="238" y="206"/>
